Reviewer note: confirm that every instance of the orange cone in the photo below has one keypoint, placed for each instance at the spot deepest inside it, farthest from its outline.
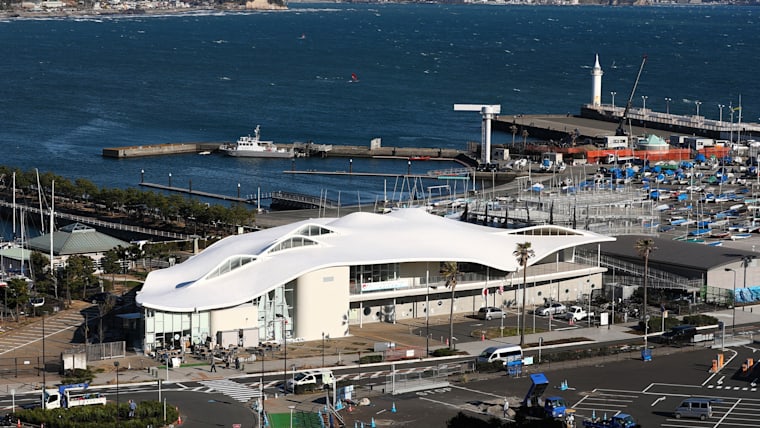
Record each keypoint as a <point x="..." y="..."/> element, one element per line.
<point x="179" y="417"/>
<point x="18" y="423"/>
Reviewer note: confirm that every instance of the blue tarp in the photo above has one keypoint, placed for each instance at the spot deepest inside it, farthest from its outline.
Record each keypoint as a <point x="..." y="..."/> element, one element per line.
<point x="747" y="295"/>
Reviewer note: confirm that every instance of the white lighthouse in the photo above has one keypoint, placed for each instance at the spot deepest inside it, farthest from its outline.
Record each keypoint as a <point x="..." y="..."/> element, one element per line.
<point x="596" y="84"/>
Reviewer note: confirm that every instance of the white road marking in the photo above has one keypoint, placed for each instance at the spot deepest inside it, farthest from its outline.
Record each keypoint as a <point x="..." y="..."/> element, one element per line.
<point x="657" y="401"/>
<point x="477" y="391"/>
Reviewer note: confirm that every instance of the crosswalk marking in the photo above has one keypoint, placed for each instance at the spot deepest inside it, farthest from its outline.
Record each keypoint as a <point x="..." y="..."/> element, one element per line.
<point x="232" y="389"/>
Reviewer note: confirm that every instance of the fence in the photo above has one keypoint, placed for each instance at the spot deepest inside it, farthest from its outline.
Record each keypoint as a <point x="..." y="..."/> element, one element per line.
<point x="12" y="367"/>
<point x="103" y="351"/>
<point x="402" y="382"/>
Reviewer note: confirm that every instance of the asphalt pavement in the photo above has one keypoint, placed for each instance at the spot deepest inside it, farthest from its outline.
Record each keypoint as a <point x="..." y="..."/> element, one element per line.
<point x="138" y="370"/>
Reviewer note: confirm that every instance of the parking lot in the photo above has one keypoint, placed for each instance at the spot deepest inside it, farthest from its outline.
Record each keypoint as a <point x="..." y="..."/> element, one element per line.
<point x="650" y="391"/>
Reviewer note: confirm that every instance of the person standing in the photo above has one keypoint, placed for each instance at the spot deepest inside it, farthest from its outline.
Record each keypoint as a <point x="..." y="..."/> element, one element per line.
<point x="213" y="364"/>
<point x="132" y="408"/>
<point x="506" y="407"/>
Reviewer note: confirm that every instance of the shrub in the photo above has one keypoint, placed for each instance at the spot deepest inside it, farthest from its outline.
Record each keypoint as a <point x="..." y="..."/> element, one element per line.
<point x="368" y="359"/>
<point x="494" y="366"/>
<point x="700" y="320"/>
<point x="77" y="376"/>
<point x="148" y="413"/>
<point x="443" y="352"/>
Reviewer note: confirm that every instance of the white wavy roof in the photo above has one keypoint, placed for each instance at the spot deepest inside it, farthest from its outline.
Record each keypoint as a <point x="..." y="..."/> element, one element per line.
<point x="407" y="235"/>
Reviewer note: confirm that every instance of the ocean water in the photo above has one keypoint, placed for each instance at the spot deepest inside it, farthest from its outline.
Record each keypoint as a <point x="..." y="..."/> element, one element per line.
<point x="74" y="86"/>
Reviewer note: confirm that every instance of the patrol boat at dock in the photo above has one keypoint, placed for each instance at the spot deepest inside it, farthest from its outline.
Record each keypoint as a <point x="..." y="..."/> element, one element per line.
<point x="253" y="147"/>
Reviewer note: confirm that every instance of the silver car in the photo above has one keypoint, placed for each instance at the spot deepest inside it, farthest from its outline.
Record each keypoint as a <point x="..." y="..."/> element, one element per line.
<point x="552" y="309"/>
<point x="490" y="312"/>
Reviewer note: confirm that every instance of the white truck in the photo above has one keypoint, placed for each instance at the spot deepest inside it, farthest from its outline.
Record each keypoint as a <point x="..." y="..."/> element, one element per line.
<point x="63" y="398"/>
<point x="577" y="313"/>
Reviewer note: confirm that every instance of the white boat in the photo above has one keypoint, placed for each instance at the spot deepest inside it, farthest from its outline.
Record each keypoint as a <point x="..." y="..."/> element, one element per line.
<point x="249" y="146"/>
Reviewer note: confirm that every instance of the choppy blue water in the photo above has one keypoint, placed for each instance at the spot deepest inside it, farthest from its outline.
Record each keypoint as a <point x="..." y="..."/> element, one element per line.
<point x="71" y="87"/>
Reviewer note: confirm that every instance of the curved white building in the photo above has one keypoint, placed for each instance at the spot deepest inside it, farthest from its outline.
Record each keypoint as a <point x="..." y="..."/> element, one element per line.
<point x="329" y="275"/>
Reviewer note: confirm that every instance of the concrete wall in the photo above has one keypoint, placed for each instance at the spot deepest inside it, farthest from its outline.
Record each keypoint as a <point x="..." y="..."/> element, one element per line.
<point x="321" y="303"/>
<point x="244" y="316"/>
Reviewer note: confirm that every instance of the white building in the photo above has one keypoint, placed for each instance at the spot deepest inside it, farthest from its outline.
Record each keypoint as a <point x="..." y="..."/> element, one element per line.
<point x="331" y="275"/>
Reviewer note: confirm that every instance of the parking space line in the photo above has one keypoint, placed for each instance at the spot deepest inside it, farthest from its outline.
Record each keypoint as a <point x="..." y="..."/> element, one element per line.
<point x="476" y="391"/>
<point x="443" y="403"/>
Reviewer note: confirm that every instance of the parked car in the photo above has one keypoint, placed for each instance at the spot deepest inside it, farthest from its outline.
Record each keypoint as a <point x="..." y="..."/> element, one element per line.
<point x="490" y="312"/>
<point x="552" y="309"/>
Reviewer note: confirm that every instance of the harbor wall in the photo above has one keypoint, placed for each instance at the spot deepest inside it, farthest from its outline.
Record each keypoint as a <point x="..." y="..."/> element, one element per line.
<point x="336" y="151"/>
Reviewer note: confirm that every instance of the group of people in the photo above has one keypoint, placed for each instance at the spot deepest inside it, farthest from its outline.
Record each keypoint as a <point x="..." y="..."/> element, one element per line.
<point x="227" y="361"/>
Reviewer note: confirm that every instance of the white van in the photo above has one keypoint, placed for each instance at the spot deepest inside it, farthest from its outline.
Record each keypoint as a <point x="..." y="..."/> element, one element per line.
<point x="314" y="378"/>
<point x="504" y="353"/>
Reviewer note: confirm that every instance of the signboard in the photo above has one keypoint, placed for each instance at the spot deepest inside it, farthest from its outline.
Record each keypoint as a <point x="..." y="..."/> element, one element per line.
<point x="384" y="285"/>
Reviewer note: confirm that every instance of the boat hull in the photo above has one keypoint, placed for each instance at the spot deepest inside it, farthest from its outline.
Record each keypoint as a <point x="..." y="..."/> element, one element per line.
<point x="258" y="154"/>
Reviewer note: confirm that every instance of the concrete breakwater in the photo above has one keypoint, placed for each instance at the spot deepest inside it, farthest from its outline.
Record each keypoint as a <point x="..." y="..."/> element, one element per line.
<point x="335" y="151"/>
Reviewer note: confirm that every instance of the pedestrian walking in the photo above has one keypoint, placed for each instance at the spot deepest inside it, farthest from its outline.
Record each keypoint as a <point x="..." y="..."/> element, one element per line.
<point x="213" y="365"/>
<point x="132" y="408"/>
<point x="506" y="407"/>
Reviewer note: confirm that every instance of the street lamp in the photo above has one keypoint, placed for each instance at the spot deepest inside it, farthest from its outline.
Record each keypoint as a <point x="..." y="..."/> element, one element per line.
<point x="667" y="104"/>
<point x="613" y="93"/>
<point x="116" y="364"/>
<point x="291" y="415"/>
<point x="44" y="401"/>
<point x="644" y="98"/>
<point x="733" y="300"/>
<point x="697" y="104"/>
<point x="408" y="167"/>
<point x="170" y="179"/>
<point x="323" y="349"/>
<point x="720" y="106"/>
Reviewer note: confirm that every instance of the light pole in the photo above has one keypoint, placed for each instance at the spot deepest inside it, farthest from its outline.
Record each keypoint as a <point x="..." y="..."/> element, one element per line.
<point x="667" y="104"/>
<point x="116" y="364"/>
<point x="697" y="103"/>
<point x="408" y="167"/>
<point x="323" y="349"/>
<point x="733" y="300"/>
<point x="613" y="93"/>
<point x="291" y="415"/>
<point x="170" y="179"/>
<point x="720" y="106"/>
<point x="44" y="401"/>
<point x="644" y="99"/>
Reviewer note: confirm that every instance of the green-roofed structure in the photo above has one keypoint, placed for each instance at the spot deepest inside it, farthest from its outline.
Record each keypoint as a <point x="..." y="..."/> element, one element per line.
<point x="76" y="238"/>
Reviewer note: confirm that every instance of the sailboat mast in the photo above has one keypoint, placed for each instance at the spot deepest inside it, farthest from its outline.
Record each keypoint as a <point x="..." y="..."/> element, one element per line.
<point x="14" y="205"/>
<point x="39" y="199"/>
<point x="52" y="215"/>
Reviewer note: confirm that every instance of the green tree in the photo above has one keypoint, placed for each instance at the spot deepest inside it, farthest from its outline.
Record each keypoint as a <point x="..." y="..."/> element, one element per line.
<point x="39" y="265"/>
<point x="645" y="247"/>
<point x="450" y="273"/>
<point x="110" y="262"/>
<point x="523" y="253"/>
<point x="18" y="294"/>
<point x="78" y="274"/>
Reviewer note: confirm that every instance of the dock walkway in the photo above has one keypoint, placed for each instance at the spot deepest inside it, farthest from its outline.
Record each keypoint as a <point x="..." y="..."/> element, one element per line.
<point x="190" y="191"/>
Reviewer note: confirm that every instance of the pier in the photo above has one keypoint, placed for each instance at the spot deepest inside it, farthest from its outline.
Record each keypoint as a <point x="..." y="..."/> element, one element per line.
<point x="250" y="200"/>
<point x="372" y="150"/>
<point x="595" y="122"/>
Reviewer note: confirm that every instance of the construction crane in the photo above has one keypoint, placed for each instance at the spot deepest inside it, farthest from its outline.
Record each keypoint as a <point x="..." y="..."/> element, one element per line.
<point x="621" y="126"/>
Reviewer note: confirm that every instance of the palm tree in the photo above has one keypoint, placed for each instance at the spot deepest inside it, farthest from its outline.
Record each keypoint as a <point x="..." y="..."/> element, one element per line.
<point x="525" y="138"/>
<point x="450" y="273"/>
<point x="645" y="247"/>
<point x="523" y="253"/>
<point x="513" y="128"/>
